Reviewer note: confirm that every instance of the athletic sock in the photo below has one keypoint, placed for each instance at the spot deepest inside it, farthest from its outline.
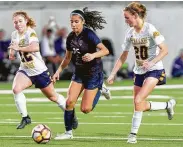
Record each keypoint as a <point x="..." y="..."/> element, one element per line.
<point x="68" y="117"/>
<point x="136" y="121"/>
<point x="158" y="105"/>
<point x="61" y="101"/>
<point x="95" y="101"/>
<point x="20" y="101"/>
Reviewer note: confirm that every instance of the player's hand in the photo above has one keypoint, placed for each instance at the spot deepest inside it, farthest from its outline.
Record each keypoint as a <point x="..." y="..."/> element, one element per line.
<point x="147" y="65"/>
<point x="55" y="77"/>
<point x="14" y="46"/>
<point x="88" y="57"/>
<point x="12" y="54"/>
<point x="11" y="57"/>
<point x="110" y="79"/>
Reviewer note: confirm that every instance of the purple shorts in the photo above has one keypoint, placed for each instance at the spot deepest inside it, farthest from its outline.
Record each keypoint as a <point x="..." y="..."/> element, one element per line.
<point x="158" y="74"/>
<point x="40" y="81"/>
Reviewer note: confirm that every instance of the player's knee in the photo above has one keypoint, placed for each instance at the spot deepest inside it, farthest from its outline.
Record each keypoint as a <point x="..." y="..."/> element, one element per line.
<point x="16" y="90"/>
<point x="86" y="109"/>
<point x="137" y="100"/>
<point x="70" y="104"/>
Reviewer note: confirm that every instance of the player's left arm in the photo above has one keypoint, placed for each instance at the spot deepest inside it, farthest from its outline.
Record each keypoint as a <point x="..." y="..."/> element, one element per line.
<point x="159" y="41"/>
<point x="103" y="51"/>
<point x="32" y="47"/>
<point x="163" y="52"/>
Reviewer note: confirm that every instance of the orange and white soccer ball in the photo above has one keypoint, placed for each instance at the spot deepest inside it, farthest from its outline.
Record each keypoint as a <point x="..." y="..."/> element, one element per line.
<point x="41" y="134"/>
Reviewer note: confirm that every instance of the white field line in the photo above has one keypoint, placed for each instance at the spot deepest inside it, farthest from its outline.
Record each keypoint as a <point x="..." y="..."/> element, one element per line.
<point x="110" y="88"/>
<point x="96" y="113"/>
<point x="108" y="116"/>
<point x="102" y="123"/>
<point x="102" y="115"/>
<point x="43" y="99"/>
<point x="78" y="105"/>
<point x="107" y="138"/>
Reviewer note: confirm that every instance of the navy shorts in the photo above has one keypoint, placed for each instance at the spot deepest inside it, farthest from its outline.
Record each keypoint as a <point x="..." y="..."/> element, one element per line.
<point x="158" y="74"/>
<point x="89" y="81"/>
<point x="40" y="81"/>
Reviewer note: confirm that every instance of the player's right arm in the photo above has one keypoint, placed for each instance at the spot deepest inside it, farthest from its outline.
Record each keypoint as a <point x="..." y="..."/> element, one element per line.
<point x="12" y="51"/>
<point x="63" y="64"/>
<point x="11" y="54"/>
<point x="121" y="60"/>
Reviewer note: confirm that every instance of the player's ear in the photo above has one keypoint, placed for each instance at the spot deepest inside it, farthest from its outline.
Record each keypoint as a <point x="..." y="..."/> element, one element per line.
<point x="83" y="22"/>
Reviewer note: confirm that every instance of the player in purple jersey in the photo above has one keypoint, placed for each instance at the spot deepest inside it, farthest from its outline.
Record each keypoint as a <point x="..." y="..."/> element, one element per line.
<point x="32" y="68"/>
<point x="85" y="50"/>
<point x="150" y="49"/>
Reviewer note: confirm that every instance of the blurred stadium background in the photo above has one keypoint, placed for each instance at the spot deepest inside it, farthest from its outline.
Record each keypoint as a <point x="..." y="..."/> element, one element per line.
<point x="165" y="15"/>
<point x="109" y="124"/>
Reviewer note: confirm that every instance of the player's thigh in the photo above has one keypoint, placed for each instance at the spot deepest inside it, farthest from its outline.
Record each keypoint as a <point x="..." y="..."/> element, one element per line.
<point x="74" y="91"/>
<point x="88" y="98"/>
<point x="147" y="88"/>
<point x="136" y="90"/>
<point x="49" y="91"/>
<point x="21" y="82"/>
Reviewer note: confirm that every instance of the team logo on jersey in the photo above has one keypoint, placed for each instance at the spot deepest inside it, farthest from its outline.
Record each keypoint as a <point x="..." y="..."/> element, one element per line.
<point x="22" y="42"/>
<point x="33" y="34"/>
<point x="155" y="34"/>
<point x="76" y="51"/>
<point x="80" y="42"/>
<point x="136" y="41"/>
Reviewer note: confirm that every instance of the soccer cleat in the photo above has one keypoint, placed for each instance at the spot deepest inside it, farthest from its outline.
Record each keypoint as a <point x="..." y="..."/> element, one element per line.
<point x="64" y="136"/>
<point x="106" y="92"/>
<point x="170" y="109"/>
<point x="25" y="121"/>
<point x="132" y="139"/>
<point x="74" y="121"/>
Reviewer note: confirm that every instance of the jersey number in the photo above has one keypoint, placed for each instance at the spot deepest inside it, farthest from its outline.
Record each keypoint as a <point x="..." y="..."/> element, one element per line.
<point x="141" y="52"/>
<point x="25" y="57"/>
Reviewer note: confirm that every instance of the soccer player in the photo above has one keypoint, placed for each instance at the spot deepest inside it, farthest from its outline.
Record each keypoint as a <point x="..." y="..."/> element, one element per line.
<point x="150" y="49"/>
<point x="85" y="50"/>
<point x="32" y="69"/>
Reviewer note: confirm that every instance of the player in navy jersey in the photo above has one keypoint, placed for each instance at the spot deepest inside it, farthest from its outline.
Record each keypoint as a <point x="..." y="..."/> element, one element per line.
<point x="150" y="49"/>
<point x="32" y="69"/>
<point x="85" y="50"/>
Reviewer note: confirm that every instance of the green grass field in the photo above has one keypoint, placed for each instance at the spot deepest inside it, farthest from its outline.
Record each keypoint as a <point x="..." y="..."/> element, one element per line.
<point x="107" y="126"/>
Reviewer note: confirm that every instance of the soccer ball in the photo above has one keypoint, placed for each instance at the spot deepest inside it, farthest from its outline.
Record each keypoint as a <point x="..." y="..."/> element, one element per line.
<point x="41" y="133"/>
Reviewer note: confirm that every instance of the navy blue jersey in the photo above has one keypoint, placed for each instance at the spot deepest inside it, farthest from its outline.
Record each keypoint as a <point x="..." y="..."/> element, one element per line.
<point x="85" y="42"/>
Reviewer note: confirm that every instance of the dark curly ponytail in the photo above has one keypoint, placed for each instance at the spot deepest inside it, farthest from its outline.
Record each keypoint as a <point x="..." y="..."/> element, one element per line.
<point x="93" y="19"/>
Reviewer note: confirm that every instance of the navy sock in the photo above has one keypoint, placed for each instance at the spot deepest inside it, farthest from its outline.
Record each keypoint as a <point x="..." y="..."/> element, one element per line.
<point x="68" y="116"/>
<point x="95" y="101"/>
<point x="74" y="114"/>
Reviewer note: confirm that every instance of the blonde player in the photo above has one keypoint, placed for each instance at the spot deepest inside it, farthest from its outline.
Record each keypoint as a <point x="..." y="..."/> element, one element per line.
<point x="32" y="69"/>
<point x="150" y="49"/>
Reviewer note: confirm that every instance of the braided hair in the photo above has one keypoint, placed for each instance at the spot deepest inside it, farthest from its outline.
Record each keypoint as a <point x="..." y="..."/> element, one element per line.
<point x="93" y="19"/>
